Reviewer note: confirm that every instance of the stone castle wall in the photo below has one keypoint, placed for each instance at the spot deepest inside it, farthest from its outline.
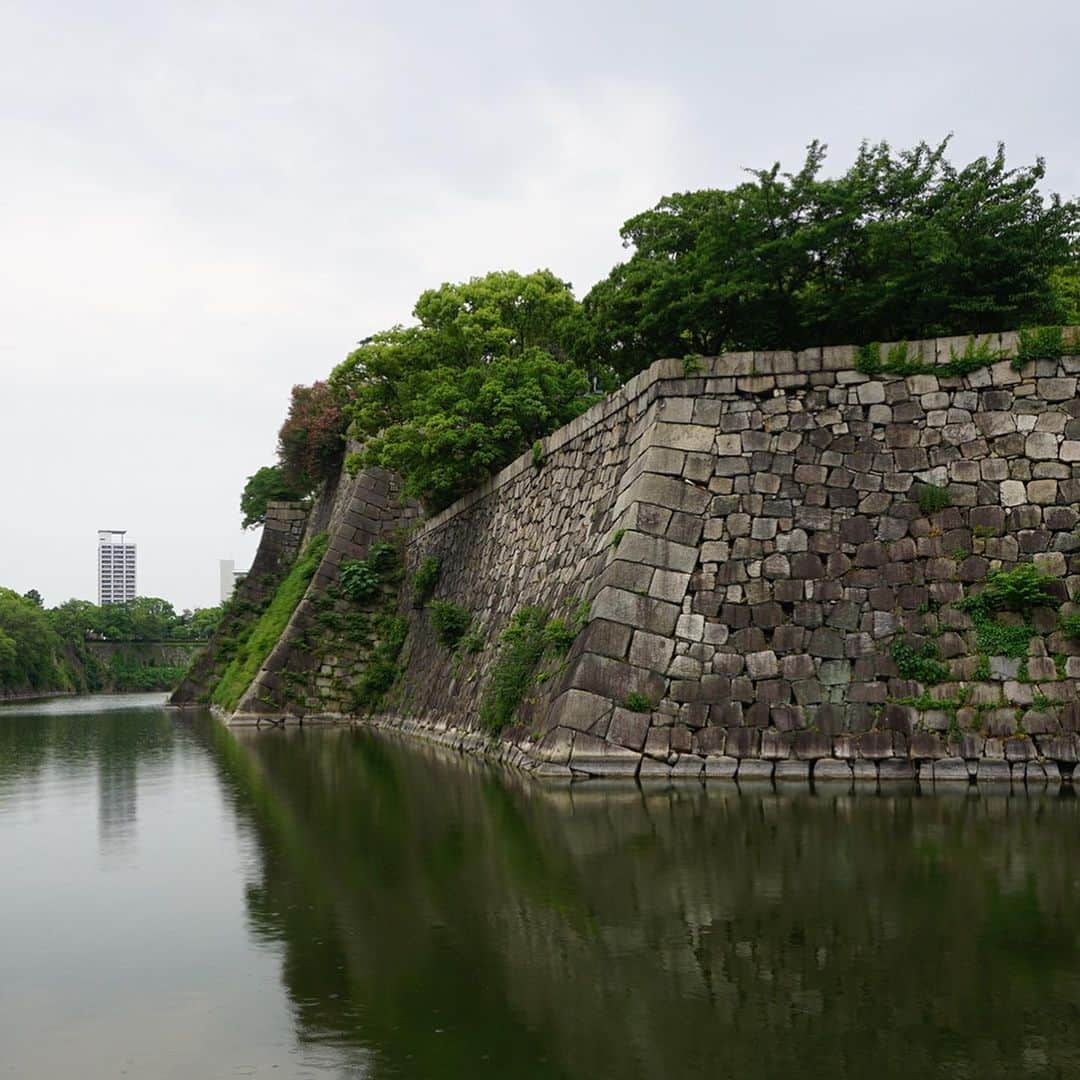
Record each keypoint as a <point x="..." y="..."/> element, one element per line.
<point x="749" y="540"/>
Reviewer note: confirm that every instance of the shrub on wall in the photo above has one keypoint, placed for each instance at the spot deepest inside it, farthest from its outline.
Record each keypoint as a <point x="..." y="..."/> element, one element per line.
<point x="425" y="579"/>
<point x="265" y="485"/>
<point x="531" y="636"/>
<point x="449" y="621"/>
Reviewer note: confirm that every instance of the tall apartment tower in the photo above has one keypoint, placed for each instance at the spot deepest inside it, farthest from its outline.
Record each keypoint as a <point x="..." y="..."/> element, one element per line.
<point x="116" y="567"/>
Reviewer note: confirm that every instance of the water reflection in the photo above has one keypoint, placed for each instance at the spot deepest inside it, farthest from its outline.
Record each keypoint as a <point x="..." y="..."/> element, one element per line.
<point x="49" y="744"/>
<point x="440" y="919"/>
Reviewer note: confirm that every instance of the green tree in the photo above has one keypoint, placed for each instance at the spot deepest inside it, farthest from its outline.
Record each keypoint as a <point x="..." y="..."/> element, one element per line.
<point x="487" y="370"/>
<point x="151" y="618"/>
<point x="29" y="648"/>
<point x="902" y="245"/>
<point x="1066" y="283"/>
<point x="266" y="485"/>
<point x="197" y="625"/>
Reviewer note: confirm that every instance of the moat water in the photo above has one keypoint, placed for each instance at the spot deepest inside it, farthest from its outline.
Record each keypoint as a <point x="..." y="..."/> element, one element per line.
<point x="179" y="900"/>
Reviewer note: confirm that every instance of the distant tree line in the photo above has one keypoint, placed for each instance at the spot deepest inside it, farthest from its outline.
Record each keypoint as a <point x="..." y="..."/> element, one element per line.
<point x="903" y="245"/>
<point x="45" y="648"/>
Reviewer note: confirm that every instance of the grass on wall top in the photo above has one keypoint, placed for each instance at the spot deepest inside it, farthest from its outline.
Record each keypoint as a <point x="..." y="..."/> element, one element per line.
<point x="255" y="648"/>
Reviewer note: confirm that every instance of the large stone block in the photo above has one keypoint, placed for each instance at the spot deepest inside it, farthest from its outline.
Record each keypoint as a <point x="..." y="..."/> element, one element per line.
<point x="639" y="612"/>
<point x="754" y="769"/>
<point x="606" y="638"/>
<point x="655" y="551"/>
<point x="651" y="651"/>
<point x="614" y="679"/>
<point x="628" y="728"/>
<point x="664" y="491"/>
<point x="578" y="710"/>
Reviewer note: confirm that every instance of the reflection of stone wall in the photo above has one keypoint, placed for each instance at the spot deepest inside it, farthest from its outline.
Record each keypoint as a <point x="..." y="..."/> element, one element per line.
<point x="454" y="921"/>
<point x="750" y="541"/>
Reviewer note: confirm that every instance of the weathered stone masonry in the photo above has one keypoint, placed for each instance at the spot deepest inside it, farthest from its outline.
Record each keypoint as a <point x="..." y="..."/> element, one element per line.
<point x="769" y="550"/>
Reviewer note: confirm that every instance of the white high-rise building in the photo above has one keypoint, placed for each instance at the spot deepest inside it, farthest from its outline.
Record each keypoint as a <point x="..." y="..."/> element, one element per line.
<point x="116" y="567"/>
<point x="228" y="578"/>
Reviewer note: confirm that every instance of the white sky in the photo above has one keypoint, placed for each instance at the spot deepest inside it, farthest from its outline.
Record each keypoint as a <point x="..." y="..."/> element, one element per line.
<point x="204" y="203"/>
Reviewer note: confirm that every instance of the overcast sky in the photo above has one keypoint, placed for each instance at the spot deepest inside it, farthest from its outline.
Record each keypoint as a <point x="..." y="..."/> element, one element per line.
<point x="202" y="204"/>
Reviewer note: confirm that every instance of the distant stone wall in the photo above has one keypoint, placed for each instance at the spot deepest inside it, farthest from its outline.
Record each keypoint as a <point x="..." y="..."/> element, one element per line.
<point x="282" y="536"/>
<point x="364" y="509"/>
<point x="769" y="551"/>
<point x="176" y="654"/>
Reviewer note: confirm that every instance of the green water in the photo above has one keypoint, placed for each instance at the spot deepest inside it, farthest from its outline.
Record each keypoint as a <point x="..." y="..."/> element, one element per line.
<point x="179" y="900"/>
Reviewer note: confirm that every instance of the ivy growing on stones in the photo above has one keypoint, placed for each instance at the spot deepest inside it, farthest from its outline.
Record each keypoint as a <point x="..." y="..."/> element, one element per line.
<point x="532" y="637"/>
<point x="933" y="498"/>
<point x="449" y="621"/>
<point x="921" y="664"/>
<point x="425" y="579"/>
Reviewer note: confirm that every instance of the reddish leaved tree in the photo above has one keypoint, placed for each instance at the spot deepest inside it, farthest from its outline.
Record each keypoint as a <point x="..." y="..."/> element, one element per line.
<point x="312" y="439"/>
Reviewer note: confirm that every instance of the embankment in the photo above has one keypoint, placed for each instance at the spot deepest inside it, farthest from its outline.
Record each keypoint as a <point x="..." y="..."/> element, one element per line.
<point x="779" y="555"/>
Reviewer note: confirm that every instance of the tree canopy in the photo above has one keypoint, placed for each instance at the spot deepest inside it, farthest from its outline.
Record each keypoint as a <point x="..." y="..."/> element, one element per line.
<point x="487" y="370"/>
<point x="29" y="648"/>
<point x="311" y="442"/>
<point x="902" y="245"/>
<point x="264" y="486"/>
<point x="146" y="618"/>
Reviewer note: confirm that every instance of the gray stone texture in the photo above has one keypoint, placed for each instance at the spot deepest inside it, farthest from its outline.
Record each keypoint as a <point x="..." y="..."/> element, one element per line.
<point x="771" y="549"/>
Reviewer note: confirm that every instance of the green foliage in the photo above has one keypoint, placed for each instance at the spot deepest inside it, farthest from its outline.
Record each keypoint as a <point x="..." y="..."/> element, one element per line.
<point x="127" y="676"/>
<point x="920" y="664"/>
<point x="902" y="360"/>
<point x="559" y="634"/>
<point x="265" y="486"/>
<point x="538" y="454"/>
<point x="904" y="245"/>
<point x="1000" y="639"/>
<point x="30" y="649"/>
<point x="254" y="645"/>
<point x="982" y="671"/>
<point x="198" y="625"/>
<point x="531" y="637"/>
<point x="692" y="365"/>
<point x="1040" y="343"/>
<point x="361" y="579"/>
<point x="635" y="701"/>
<point x="382" y="671"/>
<point x="932" y="498"/>
<point x="868" y="359"/>
<point x="977" y="354"/>
<point x="146" y="618"/>
<point x="616" y="537"/>
<point x="425" y="579"/>
<point x="1065" y="281"/>
<point x="487" y="371"/>
<point x="1070" y="626"/>
<point x="1020" y="589"/>
<point x="449" y="621"/>
<point x="472" y="643"/>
